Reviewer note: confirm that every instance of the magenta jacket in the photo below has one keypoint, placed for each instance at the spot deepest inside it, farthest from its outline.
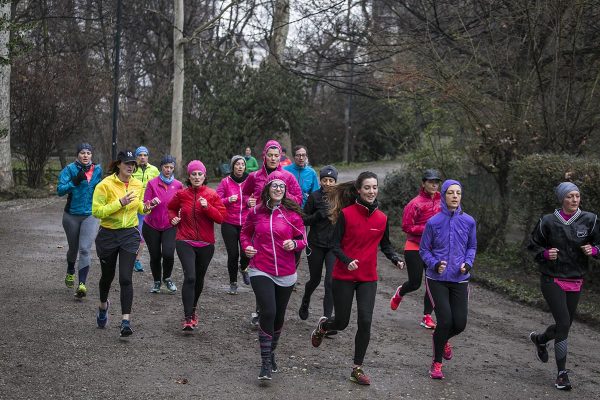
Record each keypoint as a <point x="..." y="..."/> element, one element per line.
<point x="158" y="217"/>
<point x="266" y="231"/>
<point x="238" y="210"/>
<point x="256" y="180"/>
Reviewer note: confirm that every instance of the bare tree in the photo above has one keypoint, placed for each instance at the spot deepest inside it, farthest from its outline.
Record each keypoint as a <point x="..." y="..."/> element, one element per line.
<point x="5" y="155"/>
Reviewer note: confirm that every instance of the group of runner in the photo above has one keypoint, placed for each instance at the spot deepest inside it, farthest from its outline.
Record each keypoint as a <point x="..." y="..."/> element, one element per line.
<point x="264" y="215"/>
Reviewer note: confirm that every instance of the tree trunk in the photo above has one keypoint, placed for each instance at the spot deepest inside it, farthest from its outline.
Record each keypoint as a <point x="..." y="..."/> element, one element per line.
<point x="178" y="79"/>
<point x="279" y="31"/>
<point x="6" y="180"/>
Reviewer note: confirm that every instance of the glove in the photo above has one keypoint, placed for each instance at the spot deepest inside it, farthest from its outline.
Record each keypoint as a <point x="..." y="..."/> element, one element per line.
<point x="79" y="178"/>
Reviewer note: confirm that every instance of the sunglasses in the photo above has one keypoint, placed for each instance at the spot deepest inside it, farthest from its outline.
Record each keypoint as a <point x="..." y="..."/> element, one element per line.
<point x="276" y="186"/>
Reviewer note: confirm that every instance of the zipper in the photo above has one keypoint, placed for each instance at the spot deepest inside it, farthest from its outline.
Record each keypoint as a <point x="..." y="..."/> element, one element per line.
<point x="273" y="243"/>
<point x="241" y="202"/>
<point x="194" y="215"/>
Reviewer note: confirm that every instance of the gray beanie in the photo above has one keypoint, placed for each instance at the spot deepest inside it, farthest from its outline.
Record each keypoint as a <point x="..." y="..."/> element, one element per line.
<point x="563" y="189"/>
<point x="328" y="171"/>
<point x="235" y="159"/>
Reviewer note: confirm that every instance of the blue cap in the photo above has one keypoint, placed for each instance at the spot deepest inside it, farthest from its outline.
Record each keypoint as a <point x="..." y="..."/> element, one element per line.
<point x="141" y="149"/>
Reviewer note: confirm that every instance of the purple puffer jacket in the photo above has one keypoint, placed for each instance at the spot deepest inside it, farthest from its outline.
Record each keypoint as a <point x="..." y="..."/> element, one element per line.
<point x="236" y="211"/>
<point x="451" y="237"/>
<point x="158" y="217"/>
<point x="266" y="231"/>
<point x="256" y="180"/>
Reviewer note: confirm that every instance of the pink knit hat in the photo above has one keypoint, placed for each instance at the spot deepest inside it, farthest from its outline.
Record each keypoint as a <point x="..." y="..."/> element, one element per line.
<point x="275" y="176"/>
<point x="196" y="165"/>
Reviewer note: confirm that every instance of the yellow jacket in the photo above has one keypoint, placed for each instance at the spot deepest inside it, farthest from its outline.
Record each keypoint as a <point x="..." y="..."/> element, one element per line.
<point x="107" y="207"/>
<point x="145" y="175"/>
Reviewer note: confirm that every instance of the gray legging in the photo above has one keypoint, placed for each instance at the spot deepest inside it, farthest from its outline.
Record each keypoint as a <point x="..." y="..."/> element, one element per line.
<point x="81" y="230"/>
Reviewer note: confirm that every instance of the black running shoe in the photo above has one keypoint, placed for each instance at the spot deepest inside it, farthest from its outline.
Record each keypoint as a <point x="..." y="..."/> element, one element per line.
<point x="265" y="372"/>
<point x="541" y="350"/>
<point x="303" y="312"/>
<point x="316" y="337"/>
<point x="562" y="381"/>
<point x="126" y="328"/>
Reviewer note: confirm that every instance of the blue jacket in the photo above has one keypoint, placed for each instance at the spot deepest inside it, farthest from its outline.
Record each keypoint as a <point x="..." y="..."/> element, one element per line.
<point x="79" y="199"/>
<point x="451" y="237"/>
<point x="307" y="179"/>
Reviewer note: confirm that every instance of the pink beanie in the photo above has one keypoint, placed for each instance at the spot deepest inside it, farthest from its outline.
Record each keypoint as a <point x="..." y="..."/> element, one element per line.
<point x="196" y="165"/>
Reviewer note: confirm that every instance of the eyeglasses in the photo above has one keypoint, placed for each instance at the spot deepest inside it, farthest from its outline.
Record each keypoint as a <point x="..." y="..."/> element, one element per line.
<point x="280" y="186"/>
<point x="301" y="155"/>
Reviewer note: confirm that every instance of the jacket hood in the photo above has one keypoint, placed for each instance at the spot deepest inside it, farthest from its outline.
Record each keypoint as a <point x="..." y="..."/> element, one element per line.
<point x="447" y="183"/>
<point x="270" y="143"/>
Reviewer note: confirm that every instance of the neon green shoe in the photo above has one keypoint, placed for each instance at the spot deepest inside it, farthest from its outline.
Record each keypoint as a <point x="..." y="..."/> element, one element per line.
<point x="70" y="281"/>
<point x="81" y="291"/>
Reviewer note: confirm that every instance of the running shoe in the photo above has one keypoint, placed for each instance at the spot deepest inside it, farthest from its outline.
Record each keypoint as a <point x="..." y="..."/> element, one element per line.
<point x="396" y="299"/>
<point x="447" y="351"/>
<point x="316" y="337"/>
<point x="562" y="381"/>
<point x="232" y="288"/>
<point x="541" y="350"/>
<point x="102" y="316"/>
<point x="70" y="280"/>
<point x="435" y="372"/>
<point x="187" y="325"/>
<point x="265" y="372"/>
<point x="138" y="267"/>
<point x="358" y="376"/>
<point x="273" y="364"/>
<point x="126" y="328"/>
<point x="156" y="287"/>
<point x="170" y="285"/>
<point x="81" y="291"/>
<point x="194" y="319"/>
<point x="254" y="320"/>
<point x="303" y="312"/>
<point x="245" y="276"/>
<point x="427" y="322"/>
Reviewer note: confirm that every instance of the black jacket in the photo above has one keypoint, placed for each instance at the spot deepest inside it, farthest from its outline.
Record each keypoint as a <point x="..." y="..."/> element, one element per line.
<point x="568" y="237"/>
<point x="315" y="216"/>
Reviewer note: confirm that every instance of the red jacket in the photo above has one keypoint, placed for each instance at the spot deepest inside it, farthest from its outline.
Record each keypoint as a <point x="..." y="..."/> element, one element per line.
<point x="236" y="211"/>
<point x="266" y="231"/>
<point x="417" y="212"/>
<point x="197" y="223"/>
<point x="362" y="235"/>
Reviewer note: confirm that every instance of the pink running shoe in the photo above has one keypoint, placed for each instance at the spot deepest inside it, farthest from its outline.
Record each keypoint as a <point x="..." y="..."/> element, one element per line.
<point x="435" y="372"/>
<point x="447" y="351"/>
<point x="427" y="322"/>
<point x="194" y="319"/>
<point x="396" y="299"/>
<point x="187" y="326"/>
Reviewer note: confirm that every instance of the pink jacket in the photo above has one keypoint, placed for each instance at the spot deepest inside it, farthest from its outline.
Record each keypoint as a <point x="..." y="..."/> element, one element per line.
<point x="266" y="231"/>
<point x="238" y="210"/>
<point x="417" y="212"/>
<point x="158" y="217"/>
<point x="256" y="180"/>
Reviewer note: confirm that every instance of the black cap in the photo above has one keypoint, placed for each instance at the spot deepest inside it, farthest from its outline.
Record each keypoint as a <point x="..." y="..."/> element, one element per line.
<point x="328" y="171"/>
<point x="84" y="146"/>
<point x="126" y="156"/>
<point x="431" y="175"/>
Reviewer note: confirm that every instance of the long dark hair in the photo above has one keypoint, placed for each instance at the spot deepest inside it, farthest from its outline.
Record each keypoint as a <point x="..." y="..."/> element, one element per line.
<point x="113" y="167"/>
<point x="345" y="194"/>
<point x="285" y="202"/>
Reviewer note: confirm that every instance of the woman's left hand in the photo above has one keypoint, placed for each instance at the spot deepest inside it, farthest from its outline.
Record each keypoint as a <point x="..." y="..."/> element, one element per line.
<point x="587" y="249"/>
<point x="463" y="269"/>
<point x="289" y="245"/>
<point x="149" y="205"/>
<point x="400" y="264"/>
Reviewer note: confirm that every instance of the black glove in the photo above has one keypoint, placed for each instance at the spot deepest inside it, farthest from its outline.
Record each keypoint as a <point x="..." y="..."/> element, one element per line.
<point x="77" y="179"/>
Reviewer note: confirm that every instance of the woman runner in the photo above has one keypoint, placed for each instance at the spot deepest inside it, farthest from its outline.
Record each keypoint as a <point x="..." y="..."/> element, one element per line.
<point x="360" y="227"/>
<point x="562" y="244"/>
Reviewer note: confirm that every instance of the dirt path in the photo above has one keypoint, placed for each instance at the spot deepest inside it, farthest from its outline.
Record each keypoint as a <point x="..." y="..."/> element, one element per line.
<point x="51" y="348"/>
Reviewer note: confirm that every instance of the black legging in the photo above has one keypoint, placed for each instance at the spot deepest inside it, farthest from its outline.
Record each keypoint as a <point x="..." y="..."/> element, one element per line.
<point x="272" y="301"/>
<point x="161" y="247"/>
<point x="343" y="295"/>
<point x="108" y="266"/>
<point x="451" y="303"/>
<point x="231" y="237"/>
<point x="194" y="261"/>
<point x="563" y="306"/>
<point x="316" y="258"/>
<point x="414" y="267"/>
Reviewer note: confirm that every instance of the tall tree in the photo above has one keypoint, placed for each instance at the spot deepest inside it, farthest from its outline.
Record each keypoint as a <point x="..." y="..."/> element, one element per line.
<point x="5" y="156"/>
